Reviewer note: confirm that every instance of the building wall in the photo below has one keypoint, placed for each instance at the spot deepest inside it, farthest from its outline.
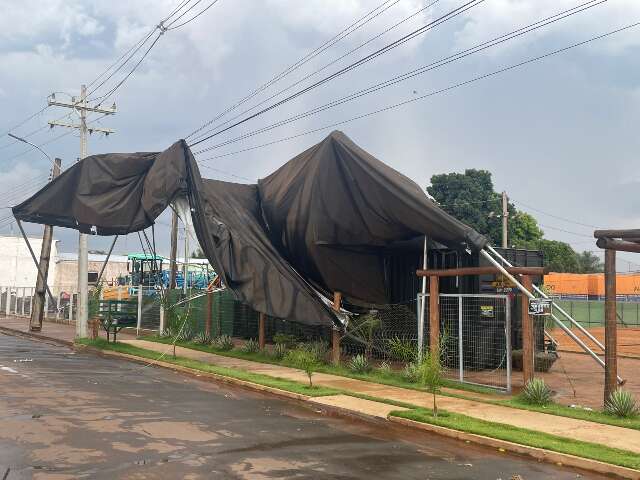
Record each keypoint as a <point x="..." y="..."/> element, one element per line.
<point x="67" y="272"/>
<point x="591" y="283"/>
<point x="16" y="265"/>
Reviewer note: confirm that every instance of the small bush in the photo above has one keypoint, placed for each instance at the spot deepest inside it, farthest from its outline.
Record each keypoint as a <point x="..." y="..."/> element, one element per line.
<point x="622" y="404"/>
<point x="223" y="342"/>
<point x="202" y="338"/>
<point x="402" y="349"/>
<point x="250" y="346"/>
<point x="285" y="339"/>
<point x="359" y="364"/>
<point x="279" y="351"/>
<point x="536" y="392"/>
<point x="385" y="369"/>
<point x="304" y="360"/>
<point x="430" y="373"/>
<point x="411" y="372"/>
<point x="318" y="349"/>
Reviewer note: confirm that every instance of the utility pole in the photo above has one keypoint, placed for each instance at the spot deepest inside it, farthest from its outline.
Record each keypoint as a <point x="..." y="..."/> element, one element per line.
<point x="37" y="312"/>
<point x="81" y="106"/>
<point x="174" y="250"/>
<point x="505" y="220"/>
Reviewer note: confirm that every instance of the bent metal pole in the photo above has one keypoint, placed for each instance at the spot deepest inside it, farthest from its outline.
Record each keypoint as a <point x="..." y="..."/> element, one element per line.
<point x="564" y="328"/>
<point x="583" y="330"/>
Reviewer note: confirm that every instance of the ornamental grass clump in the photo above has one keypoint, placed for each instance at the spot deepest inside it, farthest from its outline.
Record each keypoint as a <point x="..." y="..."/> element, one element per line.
<point x="279" y="351"/>
<point x="251" y="346"/>
<point x="223" y="343"/>
<point x="411" y="373"/>
<point x="385" y="369"/>
<point x="201" y="338"/>
<point x="359" y="364"/>
<point x="622" y="404"/>
<point x="536" y="392"/>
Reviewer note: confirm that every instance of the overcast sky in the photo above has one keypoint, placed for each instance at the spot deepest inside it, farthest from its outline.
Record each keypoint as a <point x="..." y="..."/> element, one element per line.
<point x="559" y="135"/>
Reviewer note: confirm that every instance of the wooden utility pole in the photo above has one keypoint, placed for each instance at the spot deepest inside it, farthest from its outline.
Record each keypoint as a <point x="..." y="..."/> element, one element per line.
<point x="37" y="312"/>
<point x="335" y="333"/>
<point x="505" y="220"/>
<point x="528" y="345"/>
<point x="208" y="320"/>
<point x="173" y="268"/>
<point x="610" y="325"/>
<point x="434" y="315"/>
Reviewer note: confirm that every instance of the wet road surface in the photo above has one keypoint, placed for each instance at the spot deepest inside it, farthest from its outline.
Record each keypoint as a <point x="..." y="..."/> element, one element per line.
<point x="67" y="415"/>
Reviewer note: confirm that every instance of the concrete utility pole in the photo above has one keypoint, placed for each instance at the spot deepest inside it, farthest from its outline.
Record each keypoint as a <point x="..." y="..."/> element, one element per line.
<point x="174" y="250"/>
<point x="37" y="312"/>
<point x="81" y="106"/>
<point x="505" y="220"/>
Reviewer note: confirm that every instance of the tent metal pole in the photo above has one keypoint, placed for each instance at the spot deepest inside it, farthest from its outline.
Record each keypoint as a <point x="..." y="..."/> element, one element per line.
<point x="564" y="328"/>
<point x="421" y="303"/>
<point x="35" y="260"/>
<point x="106" y="260"/>
<point x="557" y="307"/>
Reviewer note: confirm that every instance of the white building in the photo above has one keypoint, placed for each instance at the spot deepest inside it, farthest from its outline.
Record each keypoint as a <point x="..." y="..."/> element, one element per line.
<point x="17" y="268"/>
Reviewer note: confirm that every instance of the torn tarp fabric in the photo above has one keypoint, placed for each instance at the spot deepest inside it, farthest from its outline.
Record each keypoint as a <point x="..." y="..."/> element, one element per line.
<point x="323" y="222"/>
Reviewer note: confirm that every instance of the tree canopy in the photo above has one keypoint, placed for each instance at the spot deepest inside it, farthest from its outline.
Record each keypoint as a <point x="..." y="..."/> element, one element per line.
<point x="471" y="198"/>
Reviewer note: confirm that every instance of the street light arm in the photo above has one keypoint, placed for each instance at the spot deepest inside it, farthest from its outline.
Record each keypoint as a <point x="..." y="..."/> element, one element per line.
<point x="20" y="139"/>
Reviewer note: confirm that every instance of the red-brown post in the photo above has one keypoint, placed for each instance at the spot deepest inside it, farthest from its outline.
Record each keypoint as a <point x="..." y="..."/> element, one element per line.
<point x="434" y="314"/>
<point x="335" y="333"/>
<point x="610" y="325"/>
<point x="261" y="339"/>
<point x="207" y="322"/>
<point x="528" y="350"/>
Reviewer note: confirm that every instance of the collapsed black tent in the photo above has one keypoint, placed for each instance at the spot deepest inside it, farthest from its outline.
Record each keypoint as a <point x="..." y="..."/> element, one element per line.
<point x="321" y="223"/>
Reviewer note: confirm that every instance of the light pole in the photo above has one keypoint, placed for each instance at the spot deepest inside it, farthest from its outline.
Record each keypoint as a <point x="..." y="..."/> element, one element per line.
<point x="39" y="301"/>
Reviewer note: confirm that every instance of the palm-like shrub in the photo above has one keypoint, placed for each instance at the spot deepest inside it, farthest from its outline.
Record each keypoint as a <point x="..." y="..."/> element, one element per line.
<point x="279" y="351"/>
<point x="411" y="372"/>
<point x="402" y="349"/>
<point x="622" y="404"/>
<point x="223" y="342"/>
<point x="202" y="338"/>
<point x="536" y="392"/>
<point x="251" y="346"/>
<point x="359" y="364"/>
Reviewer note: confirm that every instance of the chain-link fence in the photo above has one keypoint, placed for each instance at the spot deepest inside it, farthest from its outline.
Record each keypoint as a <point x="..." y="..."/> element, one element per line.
<point x="475" y="337"/>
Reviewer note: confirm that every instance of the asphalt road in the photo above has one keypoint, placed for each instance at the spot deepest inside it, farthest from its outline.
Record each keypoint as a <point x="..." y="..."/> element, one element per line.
<point x="66" y="415"/>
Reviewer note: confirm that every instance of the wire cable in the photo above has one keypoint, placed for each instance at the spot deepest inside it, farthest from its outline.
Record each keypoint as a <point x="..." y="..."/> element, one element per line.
<point x="421" y="30"/>
<point x="529" y="207"/>
<point x="195" y="16"/>
<point x="421" y="70"/>
<point x="433" y="93"/>
<point x="309" y="56"/>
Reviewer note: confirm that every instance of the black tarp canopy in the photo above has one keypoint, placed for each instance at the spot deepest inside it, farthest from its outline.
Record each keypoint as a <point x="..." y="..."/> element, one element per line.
<point x="320" y="223"/>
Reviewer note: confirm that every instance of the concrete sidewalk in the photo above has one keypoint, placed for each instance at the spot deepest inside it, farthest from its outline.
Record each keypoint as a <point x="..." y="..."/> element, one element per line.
<point x="611" y="436"/>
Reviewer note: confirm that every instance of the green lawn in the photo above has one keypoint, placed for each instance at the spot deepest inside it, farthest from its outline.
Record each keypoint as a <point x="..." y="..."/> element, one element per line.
<point x="524" y="437"/>
<point x="266" y="380"/>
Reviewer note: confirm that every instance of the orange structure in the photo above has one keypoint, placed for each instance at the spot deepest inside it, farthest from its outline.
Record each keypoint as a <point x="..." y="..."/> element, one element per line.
<point x="590" y="283"/>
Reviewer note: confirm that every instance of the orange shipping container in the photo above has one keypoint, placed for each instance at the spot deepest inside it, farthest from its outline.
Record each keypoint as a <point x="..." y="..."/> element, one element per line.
<point x="590" y="283"/>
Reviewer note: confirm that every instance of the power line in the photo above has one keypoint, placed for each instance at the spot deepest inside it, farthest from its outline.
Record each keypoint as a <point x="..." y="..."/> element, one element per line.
<point x="421" y="70"/>
<point x="565" y="231"/>
<point x="22" y="122"/>
<point x="306" y="77"/>
<point x="309" y="56"/>
<point x="448" y="16"/>
<point x="552" y="215"/>
<point x="431" y="94"/>
<point x="194" y="17"/>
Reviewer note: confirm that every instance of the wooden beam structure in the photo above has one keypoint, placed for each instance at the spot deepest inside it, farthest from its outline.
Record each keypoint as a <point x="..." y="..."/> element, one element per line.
<point x="610" y="325"/>
<point x="630" y="233"/>
<point x="528" y="344"/>
<point x="335" y="333"/>
<point x="607" y="243"/>
<point x="488" y="270"/>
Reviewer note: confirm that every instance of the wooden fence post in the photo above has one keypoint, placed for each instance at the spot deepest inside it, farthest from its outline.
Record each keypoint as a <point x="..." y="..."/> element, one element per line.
<point x="434" y="315"/>
<point x="335" y="333"/>
<point x="207" y="320"/>
<point x="261" y="337"/>
<point x="528" y="347"/>
<point x="610" y="325"/>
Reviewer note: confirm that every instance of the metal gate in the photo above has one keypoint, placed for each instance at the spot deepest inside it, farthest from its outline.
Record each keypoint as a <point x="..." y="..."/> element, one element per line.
<point x="475" y="336"/>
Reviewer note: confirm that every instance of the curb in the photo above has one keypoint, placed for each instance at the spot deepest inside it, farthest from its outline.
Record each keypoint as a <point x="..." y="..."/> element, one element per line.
<point x="38" y="336"/>
<point x="540" y="454"/>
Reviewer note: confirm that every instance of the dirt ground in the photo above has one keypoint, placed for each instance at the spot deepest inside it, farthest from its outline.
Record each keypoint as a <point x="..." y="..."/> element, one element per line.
<point x="628" y="340"/>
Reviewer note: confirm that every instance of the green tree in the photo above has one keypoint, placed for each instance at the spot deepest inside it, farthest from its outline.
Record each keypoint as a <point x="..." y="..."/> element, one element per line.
<point x="558" y="256"/>
<point x="589" y="263"/>
<point x="470" y="197"/>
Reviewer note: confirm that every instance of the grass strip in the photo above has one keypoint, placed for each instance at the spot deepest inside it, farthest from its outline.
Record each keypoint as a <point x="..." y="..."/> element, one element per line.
<point x="395" y="380"/>
<point x="266" y="380"/>
<point x="524" y="436"/>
